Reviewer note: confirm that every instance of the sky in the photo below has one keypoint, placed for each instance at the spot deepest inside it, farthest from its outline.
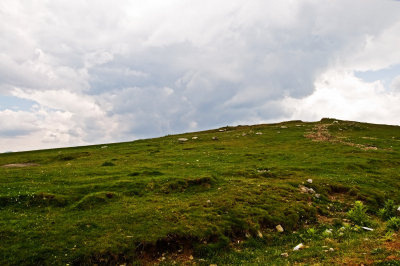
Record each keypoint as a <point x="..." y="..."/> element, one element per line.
<point x="88" y="72"/>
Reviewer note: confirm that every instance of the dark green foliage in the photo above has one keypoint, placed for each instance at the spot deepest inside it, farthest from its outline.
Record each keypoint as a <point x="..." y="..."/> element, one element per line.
<point x="393" y="224"/>
<point x="108" y="164"/>
<point x="388" y="211"/>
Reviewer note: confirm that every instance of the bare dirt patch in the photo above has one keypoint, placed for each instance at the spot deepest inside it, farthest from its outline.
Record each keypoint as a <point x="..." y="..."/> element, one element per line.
<point x="321" y="133"/>
<point x="17" y="165"/>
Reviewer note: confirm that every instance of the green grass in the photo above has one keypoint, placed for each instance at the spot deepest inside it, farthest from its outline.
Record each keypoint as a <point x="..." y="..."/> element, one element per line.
<point x="164" y="200"/>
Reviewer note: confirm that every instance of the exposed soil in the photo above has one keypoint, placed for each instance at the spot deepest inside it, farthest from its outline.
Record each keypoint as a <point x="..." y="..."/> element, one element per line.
<point x="321" y="133"/>
<point x="15" y="165"/>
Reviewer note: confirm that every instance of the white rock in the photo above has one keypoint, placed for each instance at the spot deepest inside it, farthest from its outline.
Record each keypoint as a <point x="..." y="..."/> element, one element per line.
<point x="103" y="147"/>
<point x="298" y="247"/>
<point x="367" y="228"/>
<point x="195" y="137"/>
<point x="309" y="180"/>
<point x="260" y="235"/>
<point x="259" y="133"/>
<point x="279" y="228"/>
<point x="317" y="195"/>
<point x="331" y="250"/>
<point x="283" y="126"/>
<point x="398" y="209"/>
<point x="285" y="255"/>
<point x="182" y="139"/>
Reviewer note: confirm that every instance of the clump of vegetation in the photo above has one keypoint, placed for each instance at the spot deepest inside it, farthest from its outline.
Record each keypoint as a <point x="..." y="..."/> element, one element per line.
<point x="388" y="211"/>
<point x="393" y="224"/>
<point x="108" y="164"/>
<point x="358" y="214"/>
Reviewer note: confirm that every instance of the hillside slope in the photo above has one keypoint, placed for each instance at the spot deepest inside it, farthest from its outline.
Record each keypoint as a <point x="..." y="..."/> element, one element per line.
<point x="206" y="197"/>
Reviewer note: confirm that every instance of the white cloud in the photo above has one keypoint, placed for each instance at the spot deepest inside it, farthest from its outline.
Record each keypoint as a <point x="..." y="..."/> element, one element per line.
<point x="101" y="71"/>
<point x="343" y="96"/>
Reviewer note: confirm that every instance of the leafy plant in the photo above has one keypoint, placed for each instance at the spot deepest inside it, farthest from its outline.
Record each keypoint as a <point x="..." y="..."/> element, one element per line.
<point x="358" y="214"/>
<point x="388" y="211"/>
<point x="393" y="224"/>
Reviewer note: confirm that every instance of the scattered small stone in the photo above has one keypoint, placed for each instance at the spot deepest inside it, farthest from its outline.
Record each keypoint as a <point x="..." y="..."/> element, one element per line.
<point x="283" y="126"/>
<point x="398" y="209"/>
<point x="213" y="264"/>
<point x="247" y="235"/>
<point x="309" y="180"/>
<point x="298" y="247"/>
<point x="367" y="228"/>
<point x="195" y="137"/>
<point x="209" y="201"/>
<point x="182" y="139"/>
<point x="191" y="257"/>
<point x="244" y="134"/>
<point x="331" y="250"/>
<point x="285" y="255"/>
<point x="298" y="125"/>
<point x="260" y="235"/>
<point x="259" y="133"/>
<point x="305" y="189"/>
<point x="279" y="228"/>
<point x="103" y="147"/>
<point x="317" y="195"/>
<point x="214" y="138"/>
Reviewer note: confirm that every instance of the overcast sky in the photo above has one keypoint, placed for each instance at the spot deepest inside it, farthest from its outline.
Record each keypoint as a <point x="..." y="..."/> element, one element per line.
<point x="84" y="72"/>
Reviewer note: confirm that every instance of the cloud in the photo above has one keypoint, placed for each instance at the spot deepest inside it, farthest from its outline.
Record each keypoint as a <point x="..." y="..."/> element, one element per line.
<point x="343" y="96"/>
<point x="105" y="72"/>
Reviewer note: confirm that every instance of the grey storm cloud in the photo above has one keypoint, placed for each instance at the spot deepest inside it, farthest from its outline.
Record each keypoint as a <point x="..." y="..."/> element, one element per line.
<point x="117" y="71"/>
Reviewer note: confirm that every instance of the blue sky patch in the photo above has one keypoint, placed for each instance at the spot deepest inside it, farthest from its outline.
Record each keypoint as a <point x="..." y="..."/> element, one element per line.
<point x="385" y="75"/>
<point x="15" y="103"/>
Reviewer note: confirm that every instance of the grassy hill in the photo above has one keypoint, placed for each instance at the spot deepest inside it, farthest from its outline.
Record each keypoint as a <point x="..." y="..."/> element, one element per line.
<point x="211" y="197"/>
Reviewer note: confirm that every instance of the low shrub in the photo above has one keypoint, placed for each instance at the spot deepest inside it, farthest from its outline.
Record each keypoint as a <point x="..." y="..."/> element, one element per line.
<point x="358" y="214"/>
<point x="393" y="224"/>
<point x="388" y="211"/>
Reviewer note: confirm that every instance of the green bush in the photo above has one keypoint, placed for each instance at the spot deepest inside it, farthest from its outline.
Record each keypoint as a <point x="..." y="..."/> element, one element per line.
<point x="358" y="214"/>
<point x="388" y="211"/>
<point x="393" y="224"/>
